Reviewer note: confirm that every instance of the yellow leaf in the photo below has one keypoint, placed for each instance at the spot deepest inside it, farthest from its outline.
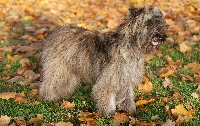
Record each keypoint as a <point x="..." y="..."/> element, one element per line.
<point x="4" y="120"/>
<point x="13" y="58"/>
<point x="82" y="25"/>
<point x="64" y="124"/>
<point x="146" y="87"/>
<point x="184" y="47"/>
<point x="181" y="111"/>
<point x="143" y="102"/>
<point x="192" y="9"/>
<point x="37" y="120"/>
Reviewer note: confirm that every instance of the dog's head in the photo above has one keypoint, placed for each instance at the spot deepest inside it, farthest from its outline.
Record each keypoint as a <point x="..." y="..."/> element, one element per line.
<point x="148" y="27"/>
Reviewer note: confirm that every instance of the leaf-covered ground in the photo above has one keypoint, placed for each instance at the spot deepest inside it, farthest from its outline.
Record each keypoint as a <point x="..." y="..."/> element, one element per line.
<point x="169" y="94"/>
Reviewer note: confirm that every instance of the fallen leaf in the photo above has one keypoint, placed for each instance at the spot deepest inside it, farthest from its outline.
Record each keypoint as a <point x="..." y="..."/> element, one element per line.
<point x="144" y="123"/>
<point x="120" y="118"/>
<point x="88" y="117"/>
<point x="169" y="113"/>
<point x="184" y="47"/>
<point x="132" y="121"/>
<point x="166" y="82"/>
<point x="155" y="117"/>
<point x="27" y="49"/>
<point x="164" y="72"/>
<point x="181" y="111"/>
<point x="112" y="24"/>
<point x="16" y="79"/>
<point x="169" y="123"/>
<point x="30" y="75"/>
<point x="37" y="120"/>
<point x="194" y="67"/>
<point x="20" y="98"/>
<point x="195" y="95"/>
<point x="7" y="95"/>
<point x="143" y="102"/>
<point x="171" y="63"/>
<point x="146" y="87"/>
<point x="68" y="105"/>
<point x="25" y="62"/>
<point x="20" y="71"/>
<point x="63" y="124"/>
<point x="20" y="121"/>
<point x="14" y="58"/>
<point x="177" y="96"/>
<point x="4" y="120"/>
<point x="186" y="78"/>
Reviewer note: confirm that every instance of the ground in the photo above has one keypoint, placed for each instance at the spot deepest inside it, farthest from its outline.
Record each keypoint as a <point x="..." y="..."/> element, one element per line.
<point x="169" y="94"/>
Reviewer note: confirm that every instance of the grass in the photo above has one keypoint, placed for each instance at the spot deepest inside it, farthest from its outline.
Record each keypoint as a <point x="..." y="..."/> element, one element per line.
<point x="53" y="112"/>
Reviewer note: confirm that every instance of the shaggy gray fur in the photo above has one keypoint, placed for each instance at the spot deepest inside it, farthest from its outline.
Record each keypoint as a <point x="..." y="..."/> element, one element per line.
<point x="113" y="62"/>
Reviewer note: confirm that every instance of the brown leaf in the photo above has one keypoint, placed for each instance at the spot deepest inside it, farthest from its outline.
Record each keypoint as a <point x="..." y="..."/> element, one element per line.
<point x="20" y="71"/>
<point x="166" y="82"/>
<point x="4" y="120"/>
<point x="144" y="123"/>
<point x="169" y="123"/>
<point x="31" y="76"/>
<point x="88" y="117"/>
<point x="16" y="79"/>
<point x="25" y="62"/>
<point x="186" y="78"/>
<point x="120" y="118"/>
<point x="27" y="49"/>
<point x="7" y="95"/>
<point x="20" y="121"/>
<point x="20" y="98"/>
<point x="146" y="87"/>
<point x="177" y="96"/>
<point x="41" y="31"/>
<point x="68" y="105"/>
<point x="173" y="64"/>
<point x="194" y="67"/>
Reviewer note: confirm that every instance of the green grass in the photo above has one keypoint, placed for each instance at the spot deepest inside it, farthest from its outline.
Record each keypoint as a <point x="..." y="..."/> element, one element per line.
<point x="53" y="112"/>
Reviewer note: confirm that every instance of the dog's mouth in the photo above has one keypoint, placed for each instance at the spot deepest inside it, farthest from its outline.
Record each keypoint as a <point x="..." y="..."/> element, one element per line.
<point x="158" y="39"/>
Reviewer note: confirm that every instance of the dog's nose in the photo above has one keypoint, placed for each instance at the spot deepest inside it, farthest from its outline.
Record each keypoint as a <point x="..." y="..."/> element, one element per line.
<point x="162" y="37"/>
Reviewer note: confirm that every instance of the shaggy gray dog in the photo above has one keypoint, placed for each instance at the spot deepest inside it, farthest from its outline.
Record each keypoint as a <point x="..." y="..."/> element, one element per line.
<point x="113" y="61"/>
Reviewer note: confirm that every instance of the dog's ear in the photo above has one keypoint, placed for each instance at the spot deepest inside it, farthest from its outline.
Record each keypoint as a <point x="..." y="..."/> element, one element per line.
<point x="134" y="12"/>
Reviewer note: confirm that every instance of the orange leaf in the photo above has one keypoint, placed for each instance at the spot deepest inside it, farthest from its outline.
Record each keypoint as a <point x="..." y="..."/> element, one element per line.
<point x="164" y="72"/>
<point x="7" y="95"/>
<point x="37" y="120"/>
<point x="120" y="118"/>
<point x="146" y="87"/>
<point x="68" y="105"/>
<point x="143" y="102"/>
<point x="88" y="117"/>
